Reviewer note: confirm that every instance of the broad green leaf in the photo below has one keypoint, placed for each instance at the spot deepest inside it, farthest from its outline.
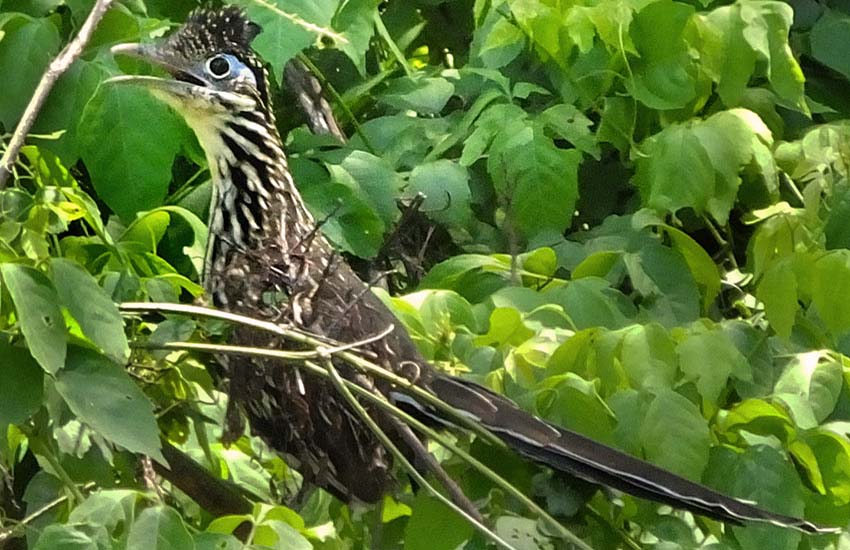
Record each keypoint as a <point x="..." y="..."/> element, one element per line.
<point x="648" y="355"/>
<point x="830" y="286"/>
<point x="37" y="306"/>
<point x="18" y="57"/>
<point x="568" y="123"/>
<point x="355" y="19"/>
<point x="502" y="43"/>
<point x="130" y="166"/>
<point x="702" y="267"/>
<point x="591" y="302"/>
<point x="288" y="26"/>
<point x="661" y="276"/>
<point x="216" y="541"/>
<point x="159" y="528"/>
<point x="675" y="436"/>
<point x="810" y="388"/>
<point x="506" y="327"/>
<point x="65" y="106"/>
<point x="522" y="533"/>
<point x="65" y="537"/>
<point x="571" y="401"/>
<point x="664" y="76"/>
<point x="759" y="417"/>
<point x="89" y="304"/>
<point x="118" y="410"/>
<point x="427" y="95"/>
<point x="715" y="151"/>
<point x="108" y="508"/>
<point x="750" y="38"/>
<point x="434" y="526"/>
<point x="762" y="475"/>
<point x="350" y="222"/>
<point x="22" y="388"/>
<point x="536" y="181"/>
<point x="778" y="291"/>
<point x="280" y="536"/>
<point x="832" y="453"/>
<point x="445" y="185"/>
<point x="708" y="357"/>
<point x="370" y="178"/>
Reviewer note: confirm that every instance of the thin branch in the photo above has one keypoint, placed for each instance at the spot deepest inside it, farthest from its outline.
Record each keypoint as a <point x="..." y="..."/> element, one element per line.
<point x="339" y="384"/>
<point x="381" y="402"/>
<point x="58" y="66"/>
<point x="455" y="492"/>
<point x="12" y="531"/>
<point x="303" y="338"/>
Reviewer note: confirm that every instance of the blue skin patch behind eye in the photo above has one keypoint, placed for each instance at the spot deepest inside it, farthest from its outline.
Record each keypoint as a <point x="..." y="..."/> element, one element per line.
<point x="238" y="70"/>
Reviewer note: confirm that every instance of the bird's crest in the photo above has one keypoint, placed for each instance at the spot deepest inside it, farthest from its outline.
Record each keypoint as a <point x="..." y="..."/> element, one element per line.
<point x="209" y="31"/>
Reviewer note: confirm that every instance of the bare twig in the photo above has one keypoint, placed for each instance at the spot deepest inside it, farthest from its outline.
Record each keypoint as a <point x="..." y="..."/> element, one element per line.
<point x="455" y="492"/>
<point x="58" y="66"/>
<point x="381" y="402"/>
<point x="302" y="337"/>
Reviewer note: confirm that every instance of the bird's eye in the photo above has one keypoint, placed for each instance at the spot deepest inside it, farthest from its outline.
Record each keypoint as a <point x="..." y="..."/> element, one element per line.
<point x="218" y="66"/>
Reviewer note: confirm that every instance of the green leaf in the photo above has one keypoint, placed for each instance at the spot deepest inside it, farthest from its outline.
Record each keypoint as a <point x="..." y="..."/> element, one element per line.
<point x="702" y="267"/>
<point x="280" y="536"/>
<point x="216" y="541"/>
<point x="433" y="526"/>
<point x="96" y="313"/>
<point x="830" y="286"/>
<point x="18" y="57"/>
<point x="159" y="528"/>
<point x="425" y="95"/>
<point x="371" y="179"/>
<point x="118" y="410"/>
<point x="37" y="306"/>
<point x="522" y="533"/>
<point x="287" y="27"/>
<point x="810" y="387"/>
<point x="130" y="170"/>
<point x="349" y="221"/>
<point x="762" y="475"/>
<point x="704" y="346"/>
<point x="749" y="39"/>
<point x="675" y="436"/>
<point x="661" y="276"/>
<point x="22" y="388"/>
<point x="759" y="417"/>
<point x="65" y="107"/>
<point x="664" y="74"/>
<point x="535" y="180"/>
<point x="649" y="357"/>
<point x="502" y="44"/>
<point x="715" y="151"/>
<point x="506" y="327"/>
<point x="445" y="185"/>
<point x="65" y="537"/>
<point x="108" y="508"/>
<point x="355" y="19"/>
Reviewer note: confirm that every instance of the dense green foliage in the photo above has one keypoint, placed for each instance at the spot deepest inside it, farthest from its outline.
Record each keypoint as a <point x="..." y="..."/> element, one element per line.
<point x="635" y="225"/>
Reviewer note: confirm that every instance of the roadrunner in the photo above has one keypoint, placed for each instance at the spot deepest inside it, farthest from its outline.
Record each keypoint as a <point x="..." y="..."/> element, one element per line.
<point x="266" y="258"/>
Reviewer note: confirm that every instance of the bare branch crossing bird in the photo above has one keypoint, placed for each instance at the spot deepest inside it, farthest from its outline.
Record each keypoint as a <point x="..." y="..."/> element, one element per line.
<point x="266" y="258"/>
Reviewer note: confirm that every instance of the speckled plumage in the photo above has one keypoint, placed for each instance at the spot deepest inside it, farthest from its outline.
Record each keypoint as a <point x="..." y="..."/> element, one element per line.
<point x="267" y="259"/>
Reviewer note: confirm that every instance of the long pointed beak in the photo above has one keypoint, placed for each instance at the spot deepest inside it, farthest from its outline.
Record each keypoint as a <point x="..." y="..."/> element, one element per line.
<point x="150" y="53"/>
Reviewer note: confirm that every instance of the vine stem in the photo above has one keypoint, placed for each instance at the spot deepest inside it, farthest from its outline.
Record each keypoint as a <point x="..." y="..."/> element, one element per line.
<point x="382" y="403"/>
<point x="57" y="67"/>
<point x="317" y="343"/>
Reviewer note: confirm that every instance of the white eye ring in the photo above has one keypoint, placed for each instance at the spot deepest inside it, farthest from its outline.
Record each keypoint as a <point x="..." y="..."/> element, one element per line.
<point x="216" y="69"/>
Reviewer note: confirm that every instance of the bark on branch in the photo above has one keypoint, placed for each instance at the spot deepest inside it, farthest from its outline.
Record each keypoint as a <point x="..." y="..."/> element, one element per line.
<point x="57" y="67"/>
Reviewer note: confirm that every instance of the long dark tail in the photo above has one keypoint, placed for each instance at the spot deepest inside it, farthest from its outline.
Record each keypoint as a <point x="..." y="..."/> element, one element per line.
<point x="569" y="452"/>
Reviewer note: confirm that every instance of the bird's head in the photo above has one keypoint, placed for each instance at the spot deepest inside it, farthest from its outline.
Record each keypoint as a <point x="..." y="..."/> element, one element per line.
<point x="213" y="69"/>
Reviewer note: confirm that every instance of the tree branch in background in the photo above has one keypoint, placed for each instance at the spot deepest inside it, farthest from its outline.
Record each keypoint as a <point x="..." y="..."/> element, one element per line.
<point x="57" y="67"/>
